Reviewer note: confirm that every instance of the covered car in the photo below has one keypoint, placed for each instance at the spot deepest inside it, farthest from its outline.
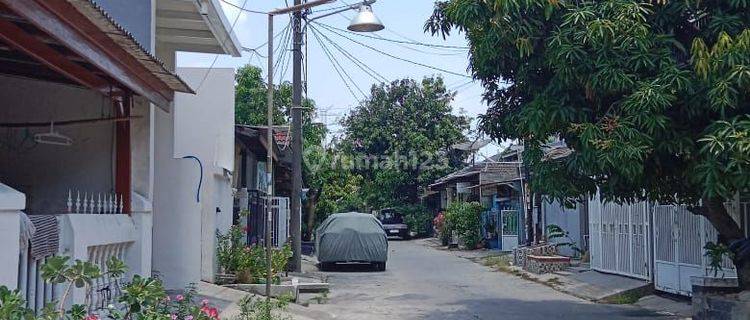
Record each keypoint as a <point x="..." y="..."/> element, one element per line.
<point x="351" y="237"/>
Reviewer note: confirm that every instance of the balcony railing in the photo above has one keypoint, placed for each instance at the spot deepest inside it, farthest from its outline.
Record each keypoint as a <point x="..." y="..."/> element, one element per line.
<point x="94" y="203"/>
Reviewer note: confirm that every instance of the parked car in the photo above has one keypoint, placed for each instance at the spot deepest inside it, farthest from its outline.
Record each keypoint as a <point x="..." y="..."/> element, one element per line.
<point x="393" y="223"/>
<point x="351" y="238"/>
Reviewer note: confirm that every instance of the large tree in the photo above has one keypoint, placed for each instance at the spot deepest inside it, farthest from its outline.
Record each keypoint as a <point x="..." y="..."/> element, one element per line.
<point x="651" y="96"/>
<point x="400" y="138"/>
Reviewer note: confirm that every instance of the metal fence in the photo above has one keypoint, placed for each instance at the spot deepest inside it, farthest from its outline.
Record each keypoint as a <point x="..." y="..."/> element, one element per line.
<point x="252" y="212"/>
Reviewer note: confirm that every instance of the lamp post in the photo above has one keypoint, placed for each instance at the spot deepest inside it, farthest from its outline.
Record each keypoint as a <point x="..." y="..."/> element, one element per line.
<point x="365" y="21"/>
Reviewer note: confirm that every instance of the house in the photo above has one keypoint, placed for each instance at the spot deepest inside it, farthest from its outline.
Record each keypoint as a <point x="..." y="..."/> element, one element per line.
<point x="251" y="182"/>
<point x="94" y="135"/>
<point x="497" y="183"/>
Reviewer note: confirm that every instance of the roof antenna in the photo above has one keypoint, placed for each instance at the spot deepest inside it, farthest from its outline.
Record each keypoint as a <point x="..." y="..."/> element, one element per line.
<point x="52" y="137"/>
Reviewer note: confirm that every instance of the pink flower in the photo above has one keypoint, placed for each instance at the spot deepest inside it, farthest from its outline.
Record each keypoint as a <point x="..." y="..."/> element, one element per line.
<point x="179" y="297"/>
<point x="174" y="316"/>
<point x="189" y="318"/>
<point x="204" y="302"/>
<point x="91" y="317"/>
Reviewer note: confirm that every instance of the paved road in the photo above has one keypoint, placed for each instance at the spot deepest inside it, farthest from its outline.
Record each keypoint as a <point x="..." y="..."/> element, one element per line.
<point x="425" y="283"/>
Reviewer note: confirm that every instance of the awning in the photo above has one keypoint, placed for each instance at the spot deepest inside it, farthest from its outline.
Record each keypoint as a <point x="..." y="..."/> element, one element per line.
<point x="76" y="41"/>
<point x="195" y="26"/>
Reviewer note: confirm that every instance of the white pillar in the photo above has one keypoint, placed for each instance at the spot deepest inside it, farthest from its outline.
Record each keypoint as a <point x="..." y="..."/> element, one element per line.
<point x="12" y="203"/>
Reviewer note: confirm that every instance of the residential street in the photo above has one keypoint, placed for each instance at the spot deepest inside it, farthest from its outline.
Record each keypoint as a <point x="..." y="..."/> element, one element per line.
<point x="422" y="282"/>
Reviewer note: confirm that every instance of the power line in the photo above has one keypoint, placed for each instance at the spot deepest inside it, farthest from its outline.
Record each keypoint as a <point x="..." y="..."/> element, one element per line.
<point x="332" y="57"/>
<point x="362" y="66"/>
<point x="416" y="43"/>
<point x="394" y="57"/>
<point x="243" y="8"/>
<point x="216" y="57"/>
<point x="337" y="70"/>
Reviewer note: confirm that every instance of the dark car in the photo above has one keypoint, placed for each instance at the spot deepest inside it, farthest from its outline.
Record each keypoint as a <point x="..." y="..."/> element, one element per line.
<point x="351" y="238"/>
<point x="393" y="224"/>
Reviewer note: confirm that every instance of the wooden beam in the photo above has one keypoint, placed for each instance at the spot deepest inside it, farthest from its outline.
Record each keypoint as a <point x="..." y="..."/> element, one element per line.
<point x="123" y="160"/>
<point x="30" y="45"/>
<point x="67" y="25"/>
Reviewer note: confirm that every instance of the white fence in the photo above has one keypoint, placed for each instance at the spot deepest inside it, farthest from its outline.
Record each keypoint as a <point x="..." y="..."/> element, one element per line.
<point x="281" y="216"/>
<point x="105" y="290"/>
<point x="679" y="237"/>
<point x="94" y="203"/>
<point x="35" y="291"/>
<point x="620" y="238"/>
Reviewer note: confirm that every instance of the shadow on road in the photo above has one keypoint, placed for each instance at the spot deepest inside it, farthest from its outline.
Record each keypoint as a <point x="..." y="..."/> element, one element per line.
<point x="351" y="267"/>
<point x="509" y="309"/>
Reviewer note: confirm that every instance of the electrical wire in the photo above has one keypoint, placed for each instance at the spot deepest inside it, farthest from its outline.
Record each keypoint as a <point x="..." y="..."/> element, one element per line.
<point x="348" y="87"/>
<point x="333" y="59"/>
<point x="216" y="57"/>
<point x="242" y="8"/>
<point x="393" y="56"/>
<point x="416" y="43"/>
<point x="361" y="65"/>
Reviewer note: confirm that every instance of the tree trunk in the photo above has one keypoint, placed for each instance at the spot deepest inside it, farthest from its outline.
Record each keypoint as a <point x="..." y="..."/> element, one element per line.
<point x="310" y="205"/>
<point x="729" y="232"/>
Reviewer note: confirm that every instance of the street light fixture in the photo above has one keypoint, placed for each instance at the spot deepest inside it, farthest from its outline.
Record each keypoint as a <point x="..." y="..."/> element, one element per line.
<point x="364" y="22"/>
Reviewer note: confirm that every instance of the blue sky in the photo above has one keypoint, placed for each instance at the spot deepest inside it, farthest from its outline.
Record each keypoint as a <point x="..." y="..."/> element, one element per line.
<point x="404" y="19"/>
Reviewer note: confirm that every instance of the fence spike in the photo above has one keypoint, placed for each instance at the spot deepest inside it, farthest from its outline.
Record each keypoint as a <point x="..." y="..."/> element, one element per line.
<point x="69" y="203"/>
<point x="78" y="201"/>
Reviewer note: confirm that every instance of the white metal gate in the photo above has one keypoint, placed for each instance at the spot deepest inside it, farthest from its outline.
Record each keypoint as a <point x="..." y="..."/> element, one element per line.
<point x="280" y="209"/>
<point x="619" y="238"/>
<point x="509" y="229"/>
<point x="679" y="237"/>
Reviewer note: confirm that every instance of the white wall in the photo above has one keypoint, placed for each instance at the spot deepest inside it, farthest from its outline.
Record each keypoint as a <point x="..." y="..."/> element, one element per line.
<point x="46" y="172"/>
<point x="12" y="203"/>
<point x="202" y="126"/>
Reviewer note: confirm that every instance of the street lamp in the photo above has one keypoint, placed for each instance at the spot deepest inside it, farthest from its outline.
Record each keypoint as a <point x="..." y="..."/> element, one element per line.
<point x="365" y="21"/>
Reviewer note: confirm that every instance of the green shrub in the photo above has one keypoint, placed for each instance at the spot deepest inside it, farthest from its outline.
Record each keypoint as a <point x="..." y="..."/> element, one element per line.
<point x="141" y="299"/>
<point x="417" y="218"/>
<point x="465" y="219"/>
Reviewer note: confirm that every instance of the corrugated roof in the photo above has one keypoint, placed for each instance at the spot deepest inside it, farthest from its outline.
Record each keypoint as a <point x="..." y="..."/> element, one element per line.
<point x="127" y="41"/>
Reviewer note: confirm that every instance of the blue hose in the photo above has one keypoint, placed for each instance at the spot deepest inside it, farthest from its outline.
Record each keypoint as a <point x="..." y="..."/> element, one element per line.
<point x="200" y="182"/>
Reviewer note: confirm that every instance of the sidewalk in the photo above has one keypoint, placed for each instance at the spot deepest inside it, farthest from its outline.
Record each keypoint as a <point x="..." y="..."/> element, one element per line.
<point x="227" y="300"/>
<point x="580" y="281"/>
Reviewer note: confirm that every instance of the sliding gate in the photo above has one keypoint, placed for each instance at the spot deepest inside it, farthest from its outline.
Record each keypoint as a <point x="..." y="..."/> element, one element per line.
<point x="679" y="237"/>
<point x="620" y="241"/>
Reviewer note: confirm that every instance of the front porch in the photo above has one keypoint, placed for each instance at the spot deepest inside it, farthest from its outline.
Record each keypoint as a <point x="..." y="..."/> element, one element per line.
<point x="74" y="85"/>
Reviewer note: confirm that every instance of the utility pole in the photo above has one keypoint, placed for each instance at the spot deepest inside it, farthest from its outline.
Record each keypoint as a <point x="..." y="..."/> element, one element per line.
<point x="296" y="205"/>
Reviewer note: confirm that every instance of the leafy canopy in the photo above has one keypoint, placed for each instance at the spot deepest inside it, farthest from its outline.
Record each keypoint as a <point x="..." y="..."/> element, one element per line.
<point x="400" y="139"/>
<point x="651" y="96"/>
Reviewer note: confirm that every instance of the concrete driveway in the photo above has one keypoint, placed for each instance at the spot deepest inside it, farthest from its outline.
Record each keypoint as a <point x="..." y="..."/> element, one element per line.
<point x="425" y="283"/>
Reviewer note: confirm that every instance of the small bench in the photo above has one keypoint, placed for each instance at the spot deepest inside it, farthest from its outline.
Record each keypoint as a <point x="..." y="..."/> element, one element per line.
<point x="546" y="264"/>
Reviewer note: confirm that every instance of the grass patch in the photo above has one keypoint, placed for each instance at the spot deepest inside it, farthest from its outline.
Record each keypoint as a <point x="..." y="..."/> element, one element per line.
<point x="500" y="263"/>
<point x="629" y="297"/>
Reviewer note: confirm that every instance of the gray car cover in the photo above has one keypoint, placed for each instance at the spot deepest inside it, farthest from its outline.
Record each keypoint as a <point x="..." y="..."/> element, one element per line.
<point x="351" y="237"/>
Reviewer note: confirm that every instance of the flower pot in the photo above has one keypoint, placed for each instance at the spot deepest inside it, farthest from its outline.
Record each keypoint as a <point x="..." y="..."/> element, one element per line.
<point x="245" y="276"/>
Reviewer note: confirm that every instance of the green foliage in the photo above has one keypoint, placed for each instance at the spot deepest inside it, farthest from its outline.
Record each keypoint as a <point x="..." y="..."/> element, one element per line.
<point x="465" y="219"/>
<point x="253" y="266"/>
<point x="401" y="137"/>
<point x="417" y="218"/>
<point x="249" y="262"/>
<point x="12" y="305"/>
<point x="556" y="232"/>
<point x="228" y="247"/>
<point x="716" y="253"/>
<point x="257" y="308"/>
<point x="651" y="96"/>
<point x="141" y="299"/>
